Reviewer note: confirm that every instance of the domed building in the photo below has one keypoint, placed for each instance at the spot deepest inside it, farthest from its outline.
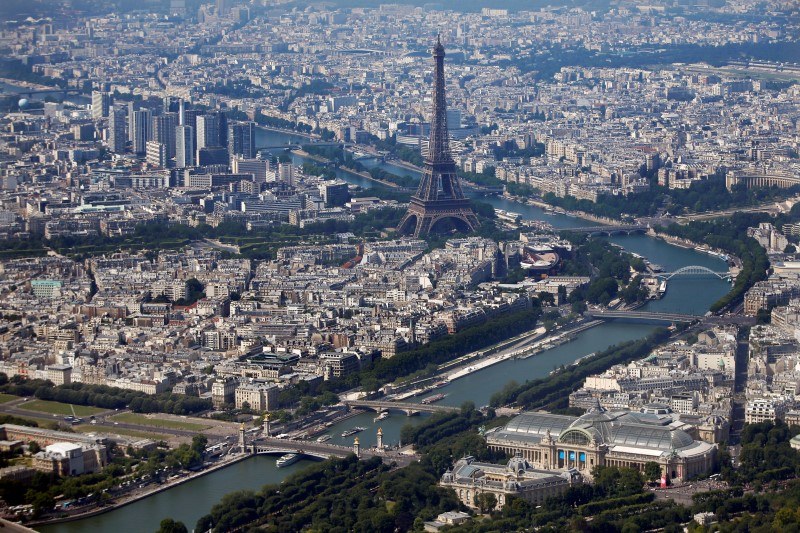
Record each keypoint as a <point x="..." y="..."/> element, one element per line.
<point x="604" y="438"/>
<point x="469" y="479"/>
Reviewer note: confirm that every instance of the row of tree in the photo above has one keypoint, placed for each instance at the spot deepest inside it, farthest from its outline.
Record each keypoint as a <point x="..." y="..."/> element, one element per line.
<point x="552" y="392"/>
<point x="703" y="195"/>
<point x="111" y="397"/>
<point x="336" y="495"/>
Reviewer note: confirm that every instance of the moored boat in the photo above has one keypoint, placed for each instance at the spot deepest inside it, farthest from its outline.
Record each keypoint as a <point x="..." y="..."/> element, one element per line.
<point x="288" y="459"/>
<point x="434" y="398"/>
<point x="352" y="431"/>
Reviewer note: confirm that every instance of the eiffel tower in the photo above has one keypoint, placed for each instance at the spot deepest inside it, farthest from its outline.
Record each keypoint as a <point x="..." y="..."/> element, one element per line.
<point x="439" y="196"/>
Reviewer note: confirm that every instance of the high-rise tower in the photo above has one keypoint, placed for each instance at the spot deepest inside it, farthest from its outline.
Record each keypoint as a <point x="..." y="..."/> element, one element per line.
<point x="164" y="128"/>
<point x="116" y="129"/>
<point x="439" y="196"/>
<point x="101" y="104"/>
<point x="184" y="147"/>
<point x="242" y="140"/>
<point x="142" y="130"/>
<point x="207" y="131"/>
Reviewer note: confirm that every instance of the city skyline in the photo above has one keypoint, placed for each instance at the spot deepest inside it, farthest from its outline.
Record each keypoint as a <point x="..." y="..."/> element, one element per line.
<point x="239" y="237"/>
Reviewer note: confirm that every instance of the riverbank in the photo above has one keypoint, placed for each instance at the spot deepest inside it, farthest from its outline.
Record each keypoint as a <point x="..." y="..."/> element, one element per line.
<point x="519" y="347"/>
<point x="734" y="262"/>
<point x="311" y="136"/>
<point x="132" y="498"/>
<point x="544" y="205"/>
<point x="313" y="428"/>
<point x="405" y="164"/>
<point x="29" y="85"/>
<point x="366" y="175"/>
<point x="532" y="347"/>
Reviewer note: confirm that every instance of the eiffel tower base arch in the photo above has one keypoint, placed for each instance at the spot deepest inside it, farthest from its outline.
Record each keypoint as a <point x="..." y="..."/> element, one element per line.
<point x="422" y="218"/>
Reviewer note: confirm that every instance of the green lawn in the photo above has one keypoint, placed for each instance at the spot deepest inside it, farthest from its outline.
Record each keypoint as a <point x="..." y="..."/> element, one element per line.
<point x="106" y="428"/>
<point x="133" y="418"/>
<point x="5" y="398"/>
<point x="59" y="408"/>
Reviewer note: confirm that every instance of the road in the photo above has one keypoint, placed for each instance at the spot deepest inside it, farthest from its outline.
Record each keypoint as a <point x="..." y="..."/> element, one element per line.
<point x="772" y="206"/>
<point x="216" y="432"/>
<point x="740" y="385"/>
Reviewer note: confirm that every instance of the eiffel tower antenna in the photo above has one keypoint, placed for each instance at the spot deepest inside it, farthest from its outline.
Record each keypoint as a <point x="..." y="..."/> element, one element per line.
<point x="439" y="196"/>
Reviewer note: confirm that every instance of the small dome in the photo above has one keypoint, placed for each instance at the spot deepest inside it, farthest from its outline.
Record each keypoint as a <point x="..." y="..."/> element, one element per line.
<point x="596" y="407"/>
<point x="681" y="439"/>
<point x="517" y="464"/>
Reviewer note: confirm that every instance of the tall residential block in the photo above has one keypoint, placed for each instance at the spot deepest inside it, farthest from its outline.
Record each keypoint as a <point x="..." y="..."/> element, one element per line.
<point x="207" y="131"/>
<point x="101" y="103"/>
<point x="157" y="154"/>
<point x="117" y="138"/>
<point x="257" y="167"/>
<point x="184" y="146"/>
<point x="164" y="128"/>
<point x="142" y="130"/>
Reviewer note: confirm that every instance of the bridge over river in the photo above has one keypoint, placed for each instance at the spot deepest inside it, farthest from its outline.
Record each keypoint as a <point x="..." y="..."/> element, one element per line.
<point x="609" y="229"/>
<point x="407" y="407"/>
<point x="694" y="270"/>
<point x="643" y="316"/>
<point x="323" y="450"/>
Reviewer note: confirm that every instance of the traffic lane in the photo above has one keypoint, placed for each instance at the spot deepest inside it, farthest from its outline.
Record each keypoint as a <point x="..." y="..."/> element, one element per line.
<point x="102" y="427"/>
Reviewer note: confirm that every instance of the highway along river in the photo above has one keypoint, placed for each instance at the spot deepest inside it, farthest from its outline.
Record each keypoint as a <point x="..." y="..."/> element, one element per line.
<point x="190" y="501"/>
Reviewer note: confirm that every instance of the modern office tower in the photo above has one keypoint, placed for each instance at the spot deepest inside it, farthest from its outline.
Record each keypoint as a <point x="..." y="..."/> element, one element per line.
<point x="177" y="7"/>
<point x="171" y="104"/>
<point x="131" y="108"/>
<point x="142" y="130"/>
<point x="453" y="119"/>
<point x="242" y="140"/>
<point x="223" y="129"/>
<point x="335" y="193"/>
<point x="156" y="154"/>
<point x="83" y="131"/>
<point x="190" y="117"/>
<point x="223" y="7"/>
<point x="101" y="102"/>
<point x="207" y="131"/>
<point x="184" y="146"/>
<point x="286" y="173"/>
<point x="439" y="196"/>
<point x="257" y="167"/>
<point x="116" y="129"/>
<point x="164" y="127"/>
<point x="214" y="155"/>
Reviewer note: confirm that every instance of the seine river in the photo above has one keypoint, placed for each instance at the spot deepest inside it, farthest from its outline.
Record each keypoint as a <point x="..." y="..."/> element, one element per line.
<point x="192" y="500"/>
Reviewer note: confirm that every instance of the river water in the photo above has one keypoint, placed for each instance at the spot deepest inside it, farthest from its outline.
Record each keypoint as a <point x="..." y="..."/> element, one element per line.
<point x="78" y="99"/>
<point x="194" y="499"/>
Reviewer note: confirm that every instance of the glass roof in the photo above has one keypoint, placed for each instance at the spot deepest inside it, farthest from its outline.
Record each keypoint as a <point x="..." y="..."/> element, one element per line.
<point x="654" y="437"/>
<point x="467" y="471"/>
<point x="539" y="424"/>
<point x="614" y="428"/>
